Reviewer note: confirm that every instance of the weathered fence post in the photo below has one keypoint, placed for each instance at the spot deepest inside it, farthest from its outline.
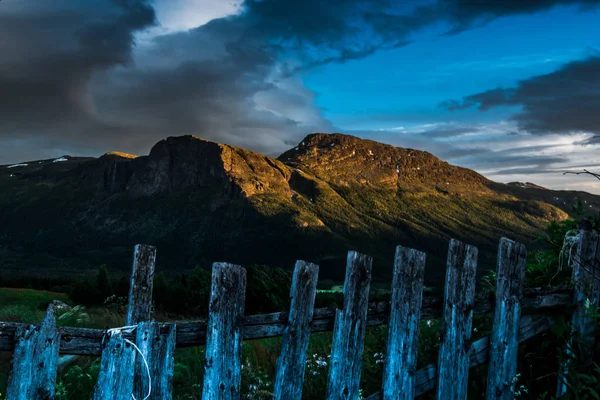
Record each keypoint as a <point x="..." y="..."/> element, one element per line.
<point x="400" y="362"/>
<point x="292" y="360"/>
<point x="117" y="366"/>
<point x="459" y="293"/>
<point x="349" y="330"/>
<point x="156" y="349"/>
<point x="159" y="351"/>
<point x="586" y="278"/>
<point x="504" y="340"/>
<point x="35" y="360"/>
<point x="139" y="307"/>
<point x="223" y="356"/>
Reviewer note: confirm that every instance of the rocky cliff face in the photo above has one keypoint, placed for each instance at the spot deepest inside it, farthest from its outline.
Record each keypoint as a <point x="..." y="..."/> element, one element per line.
<point x="200" y="202"/>
<point x="191" y="163"/>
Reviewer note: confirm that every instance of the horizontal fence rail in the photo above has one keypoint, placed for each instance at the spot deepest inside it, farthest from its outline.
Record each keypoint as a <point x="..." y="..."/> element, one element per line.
<point x="137" y="360"/>
<point x="87" y="342"/>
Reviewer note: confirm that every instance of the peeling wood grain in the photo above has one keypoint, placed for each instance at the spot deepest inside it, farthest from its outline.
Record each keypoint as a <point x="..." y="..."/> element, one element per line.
<point x="159" y="350"/>
<point x="117" y="367"/>
<point x="140" y="288"/>
<point x="223" y="356"/>
<point x="459" y="294"/>
<point x="35" y="361"/>
<point x="510" y="279"/>
<point x="400" y="363"/>
<point x="292" y="360"/>
<point x="349" y="330"/>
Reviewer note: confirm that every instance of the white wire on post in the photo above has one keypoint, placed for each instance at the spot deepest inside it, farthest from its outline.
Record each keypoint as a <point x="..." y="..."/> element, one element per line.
<point x="147" y="370"/>
<point x="130" y="329"/>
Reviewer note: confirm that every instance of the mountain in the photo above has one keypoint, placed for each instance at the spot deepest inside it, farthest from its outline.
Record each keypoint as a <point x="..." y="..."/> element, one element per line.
<point x="200" y="202"/>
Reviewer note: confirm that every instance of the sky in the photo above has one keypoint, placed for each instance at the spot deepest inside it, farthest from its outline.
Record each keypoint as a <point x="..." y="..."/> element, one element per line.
<point x="509" y="88"/>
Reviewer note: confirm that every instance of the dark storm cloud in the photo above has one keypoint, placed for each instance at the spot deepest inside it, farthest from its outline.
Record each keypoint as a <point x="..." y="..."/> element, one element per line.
<point x="66" y="75"/>
<point x="468" y="13"/>
<point x="564" y="101"/>
<point x="50" y="51"/>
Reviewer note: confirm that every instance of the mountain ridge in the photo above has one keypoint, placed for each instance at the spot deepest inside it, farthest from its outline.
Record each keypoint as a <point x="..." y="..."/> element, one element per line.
<point x="201" y="201"/>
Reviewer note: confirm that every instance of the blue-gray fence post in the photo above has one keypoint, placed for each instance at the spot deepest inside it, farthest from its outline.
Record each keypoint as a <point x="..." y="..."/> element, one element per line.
<point x="34" y="361"/>
<point x="504" y="339"/>
<point x="400" y="363"/>
<point x="459" y="294"/>
<point x="349" y="330"/>
<point x="291" y="363"/>
<point x="223" y="355"/>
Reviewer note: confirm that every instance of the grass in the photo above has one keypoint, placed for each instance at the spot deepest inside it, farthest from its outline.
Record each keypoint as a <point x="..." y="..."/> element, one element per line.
<point x="26" y="305"/>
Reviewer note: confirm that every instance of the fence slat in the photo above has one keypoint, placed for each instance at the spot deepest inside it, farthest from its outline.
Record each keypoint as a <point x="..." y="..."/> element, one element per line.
<point x="159" y="351"/>
<point x="292" y="360"/>
<point x="531" y="325"/>
<point x="140" y="288"/>
<point x="35" y="360"/>
<point x="459" y="293"/>
<point x="223" y="356"/>
<point x="117" y="366"/>
<point x="400" y="363"/>
<point x="504" y="339"/>
<point x="586" y="277"/>
<point x="349" y="330"/>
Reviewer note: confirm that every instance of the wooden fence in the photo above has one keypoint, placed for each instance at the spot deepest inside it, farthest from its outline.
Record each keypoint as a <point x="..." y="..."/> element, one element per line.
<point x="137" y="360"/>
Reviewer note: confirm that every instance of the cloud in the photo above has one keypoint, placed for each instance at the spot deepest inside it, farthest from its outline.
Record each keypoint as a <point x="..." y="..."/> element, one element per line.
<point x="564" y="101"/>
<point x="467" y="14"/>
<point x="72" y="78"/>
<point x="54" y="49"/>
<point x="591" y="141"/>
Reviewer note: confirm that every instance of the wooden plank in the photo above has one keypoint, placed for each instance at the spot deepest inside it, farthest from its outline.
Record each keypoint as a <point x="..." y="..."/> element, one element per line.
<point x="223" y="355"/>
<point x="459" y="293"/>
<point x="531" y="325"/>
<point x="83" y="341"/>
<point x="139" y="307"/>
<point x="586" y="278"/>
<point x="291" y="363"/>
<point x="117" y="368"/>
<point x="35" y="361"/>
<point x="504" y="339"/>
<point x="349" y="330"/>
<point x="158" y="350"/>
<point x="400" y="363"/>
<point x="153" y="346"/>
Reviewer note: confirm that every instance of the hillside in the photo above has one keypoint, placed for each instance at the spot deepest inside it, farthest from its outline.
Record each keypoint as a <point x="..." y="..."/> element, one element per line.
<point x="200" y="202"/>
